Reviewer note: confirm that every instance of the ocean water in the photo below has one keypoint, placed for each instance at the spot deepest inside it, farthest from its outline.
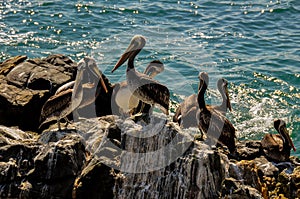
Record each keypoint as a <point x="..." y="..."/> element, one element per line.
<point x="255" y="45"/>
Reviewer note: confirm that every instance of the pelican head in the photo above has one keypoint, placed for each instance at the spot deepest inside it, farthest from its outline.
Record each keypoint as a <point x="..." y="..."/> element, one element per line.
<point x="222" y="86"/>
<point x="155" y="67"/>
<point x="89" y="66"/>
<point x="137" y="43"/>
<point x="203" y="77"/>
<point x="280" y="126"/>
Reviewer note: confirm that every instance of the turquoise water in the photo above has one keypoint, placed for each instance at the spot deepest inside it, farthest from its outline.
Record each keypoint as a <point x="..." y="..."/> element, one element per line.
<point x="253" y="44"/>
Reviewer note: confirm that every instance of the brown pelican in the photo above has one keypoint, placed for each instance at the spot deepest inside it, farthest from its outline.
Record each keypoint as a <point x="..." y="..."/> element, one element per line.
<point x="278" y="147"/>
<point x="142" y="86"/>
<point x="73" y="95"/>
<point x="154" y="68"/>
<point x="223" y="89"/>
<point x="215" y="125"/>
<point x="186" y="112"/>
<point x="122" y="96"/>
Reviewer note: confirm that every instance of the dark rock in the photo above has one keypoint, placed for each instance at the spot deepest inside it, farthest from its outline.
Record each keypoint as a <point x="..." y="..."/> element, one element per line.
<point x="265" y="167"/>
<point x="234" y="189"/>
<point x="158" y="160"/>
<point x="20" y="107"/>
<point x="246" y="171"/>
<point x="248" y="149"/>
<point x="95" y="181"/>
<point x="25" y="85"/>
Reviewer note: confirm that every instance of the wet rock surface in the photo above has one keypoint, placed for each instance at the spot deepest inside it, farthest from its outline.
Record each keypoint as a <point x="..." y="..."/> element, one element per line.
<point x="90" y="160"/>
<point x="111" y="157"/>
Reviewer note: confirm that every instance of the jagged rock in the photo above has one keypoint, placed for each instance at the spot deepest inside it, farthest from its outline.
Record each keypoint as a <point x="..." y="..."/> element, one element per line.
<point x="95" y="181"/>
<point x="248" y="149"/>
<point x="295" y="177"/>
<point x="265" y="167"/>
<point x="26" y="86"/>
<point x="9" y="136"/>
<point x="234" y="189"/>
<point x="247" y="172"/>
<point x="162" y="161"/>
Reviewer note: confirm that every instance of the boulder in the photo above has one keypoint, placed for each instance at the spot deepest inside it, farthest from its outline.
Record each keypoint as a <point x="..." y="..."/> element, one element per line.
<point x="26" y="84"/>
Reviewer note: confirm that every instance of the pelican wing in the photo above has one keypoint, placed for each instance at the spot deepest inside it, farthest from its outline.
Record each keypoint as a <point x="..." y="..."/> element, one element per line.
<point x="153" y="92"/>
<point x="272" y="142"/>
<point x="56" y="104"/>
<point x="218" y="127"/>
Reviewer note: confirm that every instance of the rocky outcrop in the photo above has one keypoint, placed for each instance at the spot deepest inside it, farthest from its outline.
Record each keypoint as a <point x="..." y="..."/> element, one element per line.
<point x="26" y="84"/>
<point x="109" y="157"/>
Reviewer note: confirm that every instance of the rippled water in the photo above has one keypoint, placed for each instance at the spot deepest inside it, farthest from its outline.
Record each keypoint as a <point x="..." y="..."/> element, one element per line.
<point x="253" y="44"/>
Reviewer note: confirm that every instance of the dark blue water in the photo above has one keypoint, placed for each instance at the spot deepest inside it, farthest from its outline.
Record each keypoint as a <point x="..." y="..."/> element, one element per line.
<point x="255" y="45"/>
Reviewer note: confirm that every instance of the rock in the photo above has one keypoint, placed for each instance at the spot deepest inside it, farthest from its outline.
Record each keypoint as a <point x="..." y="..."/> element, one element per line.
<point x="95" y="181"/>
<point x="248" y="149"/>
<point x="234" y="189"/>
<point x="25" y="85"/>
<point x="265" y="167"/>
<point x="167" y="164"/>
<point x="116" y="158"/>
<point x="9" y="64"/>
<point x="43" y="74"/>
<point x="295" y="177"/>
<point x="247" y="172"/>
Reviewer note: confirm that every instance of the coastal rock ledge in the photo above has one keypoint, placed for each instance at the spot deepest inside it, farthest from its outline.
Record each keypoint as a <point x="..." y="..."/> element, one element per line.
<point x="112" y="157"/>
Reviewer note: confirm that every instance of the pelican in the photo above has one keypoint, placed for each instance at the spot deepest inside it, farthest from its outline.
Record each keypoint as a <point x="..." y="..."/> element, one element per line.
<point x="223" y="90"/>
<point x="73" y="95"/>
<point x="278" y="147"/>
<point x="142" y="86"/>
<point x="154" y="68"/>
<point x="123" y="98"/>
<point x="211" y="122"/>
<point x="186" y="112"/>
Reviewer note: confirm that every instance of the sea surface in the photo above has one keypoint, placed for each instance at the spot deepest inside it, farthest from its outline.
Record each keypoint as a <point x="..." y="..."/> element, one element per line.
<point x="255" y="45"/>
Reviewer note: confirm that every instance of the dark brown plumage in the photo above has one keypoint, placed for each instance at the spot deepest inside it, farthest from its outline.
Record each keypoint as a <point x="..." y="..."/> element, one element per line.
<point x="186" y="112"/>
<point x="217" y="127"/>
<point x="70" y="96"/>
<point x="277" y="147"/>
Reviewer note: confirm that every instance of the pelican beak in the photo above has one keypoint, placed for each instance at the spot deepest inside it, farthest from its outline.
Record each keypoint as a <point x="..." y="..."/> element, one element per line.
<point x="285" y="134"/>
<point x="128" y="53"/>
<point x="135" y="46"/>
<point x="95" y="70"/>
<point x="80" y="71"/>
<point x="228" y="99"/>
<point x="121" y="61"/>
